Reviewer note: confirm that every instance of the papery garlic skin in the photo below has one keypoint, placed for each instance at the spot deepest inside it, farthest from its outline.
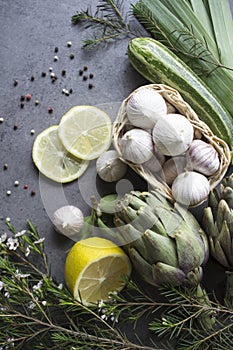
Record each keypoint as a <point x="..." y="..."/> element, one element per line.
<point x="136" y="146"/>
<point x="154" y="164"/>
<point x="172" y="168"/>
<point x="110" y="167"/>
<point x="68" y="220"/>
<point x="203" y="157"/>
<point x="173" y="134"/>
<point x="190" y="188"/>
<point x="145" y="107"/>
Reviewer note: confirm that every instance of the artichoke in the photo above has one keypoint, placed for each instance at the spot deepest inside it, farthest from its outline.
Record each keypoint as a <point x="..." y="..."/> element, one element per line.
<point x="164" y="241"/>
<point x="217" y="222"/>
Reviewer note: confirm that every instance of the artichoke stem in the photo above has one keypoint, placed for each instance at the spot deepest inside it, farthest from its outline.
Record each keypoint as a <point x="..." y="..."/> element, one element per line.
<point x="229" y="290"/>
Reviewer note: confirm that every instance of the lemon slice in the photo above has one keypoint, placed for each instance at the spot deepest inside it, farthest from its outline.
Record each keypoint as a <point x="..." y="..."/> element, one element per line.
<point x="94" y="267"/>
<point x="85" y="131"/>
<point x="53" y="160"/>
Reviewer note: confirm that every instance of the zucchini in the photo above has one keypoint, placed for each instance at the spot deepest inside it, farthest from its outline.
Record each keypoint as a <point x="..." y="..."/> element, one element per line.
<point x="159" y="65"/>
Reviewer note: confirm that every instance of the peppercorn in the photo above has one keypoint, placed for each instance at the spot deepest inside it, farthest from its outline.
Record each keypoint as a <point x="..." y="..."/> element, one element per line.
<point x="36" y="102"/>
<point x="84" y="77"/>
<point x="91" y="75"/>
<point x="71" y="91"/>
<point x="80" y="72"/>
<point x="63" y="72"/>
<point x="22" y="105"/>
<point x="5" y="166"/>
<point x="90" y="86"/>
<point x="22" y="98"/>
<point x="71" y="56"/>
<point x="43" y="74"/>
<point x="1" y="120"/>
<point x="85" y="68"/>
<point x="55" y="58"/>
<point x="33" y="193"/>
<point x="32" y="78"/>
<point x="56" y="49"/>
<point x="15" y="82"/>
<point x="28" y="97"/>
<point x="50" y="109"/>
<point x="15" y="127"/>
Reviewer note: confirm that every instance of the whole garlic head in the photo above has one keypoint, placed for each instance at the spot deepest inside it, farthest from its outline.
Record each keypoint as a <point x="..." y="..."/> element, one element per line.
<point x="109" y="166"/>
<point x="203" y="157"/>
<point x="190" y="188"/>
<point x="68" y="220"/>
<point x="137" y="146"/>
<point x="173" y="134"/>
<point x="145" y="107"/>
<point x="172" y="168"/>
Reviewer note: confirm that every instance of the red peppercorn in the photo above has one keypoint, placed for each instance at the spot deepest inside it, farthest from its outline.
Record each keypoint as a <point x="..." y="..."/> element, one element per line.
<point x="50" y="109"/>
<point x="28" y="97"/>
<point x="25" y="187"/>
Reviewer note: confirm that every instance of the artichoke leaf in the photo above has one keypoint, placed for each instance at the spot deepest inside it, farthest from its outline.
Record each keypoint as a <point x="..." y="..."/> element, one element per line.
<point x="225" y="241"/>
<point x="142" y="266"/>
<point x="213" y="201"/>
<point x="190" y="250"/>
<point x="160" y="248"/>
<point x="164" y="274"/>
<point x="209" y="223"/>
<point x="227" y="195"/>
<point x="217" y="252"/>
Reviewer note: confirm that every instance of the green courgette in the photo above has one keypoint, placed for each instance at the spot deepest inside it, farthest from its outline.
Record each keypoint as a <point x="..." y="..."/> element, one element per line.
<point x="159" y="65"/>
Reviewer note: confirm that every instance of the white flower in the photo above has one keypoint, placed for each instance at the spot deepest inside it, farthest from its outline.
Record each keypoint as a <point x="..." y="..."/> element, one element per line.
<point x="31" y="305"/>
<point x="44" y="302"/>
<point x="7" y="295"/>
<point x="21" y="275"/>
<point x="39" y="240"/>
<point x="21" y="233"/>
<point x="37" y="286"/>
<point x="1" y="285"/>
<point x="28" y="251"/>
<point x="12" y="243"/>
<point x="60" y="286"/>
<point x="3" y="237"/>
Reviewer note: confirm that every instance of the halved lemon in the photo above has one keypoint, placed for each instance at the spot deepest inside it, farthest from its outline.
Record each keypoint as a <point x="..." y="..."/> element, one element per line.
<point x="95" y="267"/>
<point x="85" y="131"/>
<point x="53" y="160"/>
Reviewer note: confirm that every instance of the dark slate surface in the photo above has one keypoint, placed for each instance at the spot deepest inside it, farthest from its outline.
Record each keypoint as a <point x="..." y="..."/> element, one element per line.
<point x="30" y="31"/>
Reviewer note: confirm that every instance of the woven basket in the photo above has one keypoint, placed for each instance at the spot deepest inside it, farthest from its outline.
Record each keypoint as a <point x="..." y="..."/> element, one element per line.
<point x="122" y="124"/>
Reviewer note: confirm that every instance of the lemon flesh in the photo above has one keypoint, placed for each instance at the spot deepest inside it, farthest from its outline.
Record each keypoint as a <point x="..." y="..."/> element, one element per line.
<point x="95" y="267"/>
<point x="53" y="160"/>
<point x="85" y="131"/>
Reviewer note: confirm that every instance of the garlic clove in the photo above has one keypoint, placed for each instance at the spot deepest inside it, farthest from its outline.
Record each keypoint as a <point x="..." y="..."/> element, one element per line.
<point x="203" y="157"/>
<point x="154" y="164"/>
<point x="145" y="107"/>
<point x="190" y="188"/>
<point x="173" y="134"/>
<point x="110" y="167"/>
<point x="172" y="168"/>
<point x="136" y="146"/>
<point x="68" y="220"/>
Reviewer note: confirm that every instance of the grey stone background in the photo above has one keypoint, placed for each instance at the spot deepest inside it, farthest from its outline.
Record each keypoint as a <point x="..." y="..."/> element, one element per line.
<point x="30" y="30"/>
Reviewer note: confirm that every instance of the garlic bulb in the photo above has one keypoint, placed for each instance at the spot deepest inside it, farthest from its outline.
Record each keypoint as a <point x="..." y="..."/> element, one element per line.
<point x="68" y="220"/>
<point x="173" y="134"/>
<point x="109" y="166"/>
<point x="154" y="164"/>
<point x="145" y="107"/>
<point x="203" y="157"/>
<point x="172" y="168"/>
<point x="137" y="146"/>
<point x="190" y="188"/>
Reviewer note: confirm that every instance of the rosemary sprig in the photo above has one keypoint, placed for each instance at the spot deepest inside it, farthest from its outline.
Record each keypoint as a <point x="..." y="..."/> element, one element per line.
<point x="37" y="312"/>
<point x="109" y="22"/>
